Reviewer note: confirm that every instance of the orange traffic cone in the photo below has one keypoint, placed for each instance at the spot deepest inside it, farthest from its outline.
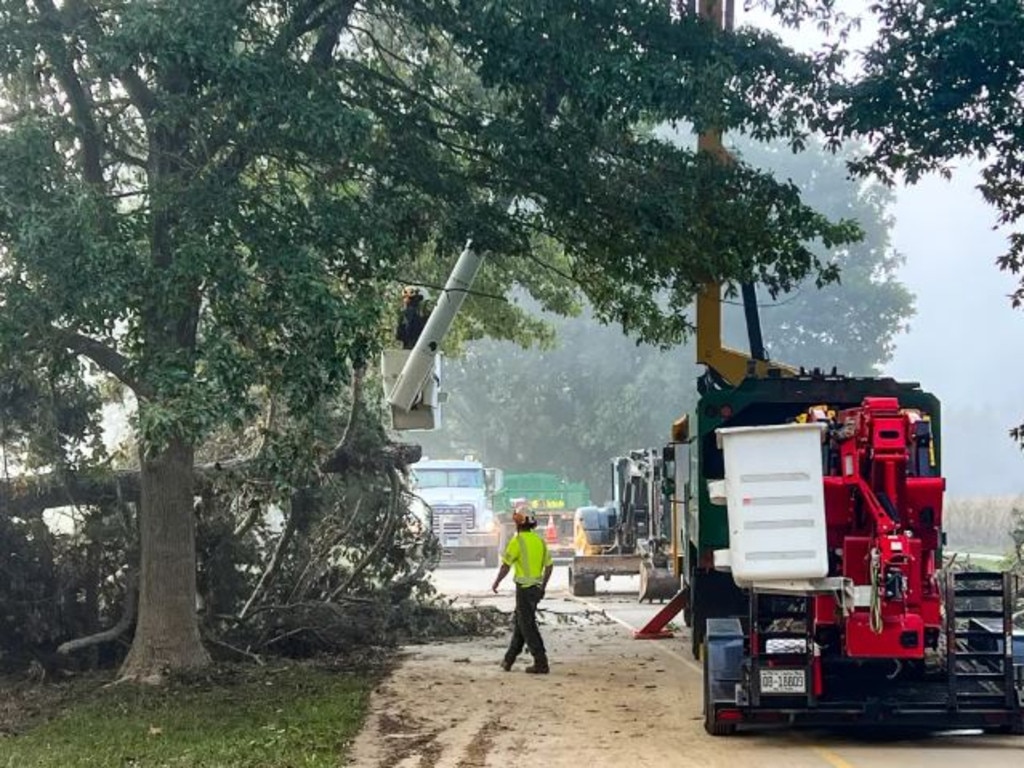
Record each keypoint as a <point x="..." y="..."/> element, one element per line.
<point x="551" y="532"/>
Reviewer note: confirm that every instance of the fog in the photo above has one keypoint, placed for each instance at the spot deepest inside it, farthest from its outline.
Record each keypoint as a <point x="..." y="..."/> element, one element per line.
<point x="964" y="342"/>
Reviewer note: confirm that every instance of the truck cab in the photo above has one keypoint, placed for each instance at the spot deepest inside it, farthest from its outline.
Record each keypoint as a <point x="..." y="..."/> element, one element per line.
<point x="454" y="493"/>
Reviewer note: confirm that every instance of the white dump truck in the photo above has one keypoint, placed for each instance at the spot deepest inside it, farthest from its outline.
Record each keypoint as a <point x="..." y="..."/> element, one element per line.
<point x="455" y="495"/>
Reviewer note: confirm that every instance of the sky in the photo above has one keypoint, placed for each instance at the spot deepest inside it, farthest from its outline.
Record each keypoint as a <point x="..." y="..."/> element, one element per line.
<point x="966" y="333"/>
<point x="965" y="341"/>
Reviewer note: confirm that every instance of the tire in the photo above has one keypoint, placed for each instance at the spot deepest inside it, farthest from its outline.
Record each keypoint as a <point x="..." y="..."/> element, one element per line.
<point x="582" y="587"/>
<point x="719" y="729"/>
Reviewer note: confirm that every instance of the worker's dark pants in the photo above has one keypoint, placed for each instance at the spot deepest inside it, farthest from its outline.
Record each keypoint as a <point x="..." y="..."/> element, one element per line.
<point x="525" y="630"/>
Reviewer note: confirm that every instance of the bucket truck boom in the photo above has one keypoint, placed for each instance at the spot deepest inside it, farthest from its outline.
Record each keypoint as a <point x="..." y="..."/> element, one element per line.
<point x="412" y="377"/>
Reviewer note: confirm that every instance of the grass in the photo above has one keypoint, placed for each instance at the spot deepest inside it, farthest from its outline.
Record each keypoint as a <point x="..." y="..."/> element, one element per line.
<point x="295" y="716"/>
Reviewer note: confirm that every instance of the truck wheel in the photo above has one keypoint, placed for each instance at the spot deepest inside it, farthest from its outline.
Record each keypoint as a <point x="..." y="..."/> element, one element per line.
<point x="719" y="729"/>
<point x="584" y="587"/>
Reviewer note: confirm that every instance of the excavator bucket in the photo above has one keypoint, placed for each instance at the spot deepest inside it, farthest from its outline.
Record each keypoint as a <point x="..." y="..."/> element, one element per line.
<point x="657" y="583"/>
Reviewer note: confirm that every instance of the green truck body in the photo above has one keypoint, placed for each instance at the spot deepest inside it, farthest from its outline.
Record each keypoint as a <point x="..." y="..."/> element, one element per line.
<point x="553" y="498"/>
<point x="543" y="491"/>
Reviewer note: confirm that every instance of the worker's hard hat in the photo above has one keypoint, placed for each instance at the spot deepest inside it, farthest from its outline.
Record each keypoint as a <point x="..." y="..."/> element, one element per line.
<point x="521" y="512"/>
<point x="524" y="516"/>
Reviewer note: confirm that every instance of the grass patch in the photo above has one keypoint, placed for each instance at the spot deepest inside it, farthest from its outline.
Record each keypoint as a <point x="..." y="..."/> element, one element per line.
<point x="288" y="716"/>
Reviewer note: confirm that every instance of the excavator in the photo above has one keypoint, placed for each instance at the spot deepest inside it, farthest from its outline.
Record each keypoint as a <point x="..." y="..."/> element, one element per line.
<point x="628" y="537"/>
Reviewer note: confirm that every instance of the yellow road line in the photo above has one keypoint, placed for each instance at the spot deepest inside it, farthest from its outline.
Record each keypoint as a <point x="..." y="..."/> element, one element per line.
<point x="831" y="758"/>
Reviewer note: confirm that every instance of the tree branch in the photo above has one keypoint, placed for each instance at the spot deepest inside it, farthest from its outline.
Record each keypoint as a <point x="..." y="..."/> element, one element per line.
<point x="276" y="559"/>
<point x="309" y="17"/>
<point x="110" y="360"/>
<point x="335" y="20"/>
<point x="385" y="535"/>
<point x="78" y="98"/>
<point x="29" y="495"/>
<point x="234" y="649"/>
<point x="141" y="95"/>
<point x="122" y="626"/>
<point x="321" y="553"/>
<point x="356" y="398"/>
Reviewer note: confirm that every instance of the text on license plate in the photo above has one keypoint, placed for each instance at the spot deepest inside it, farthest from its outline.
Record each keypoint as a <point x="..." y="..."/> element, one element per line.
<point x="783" y="681"/>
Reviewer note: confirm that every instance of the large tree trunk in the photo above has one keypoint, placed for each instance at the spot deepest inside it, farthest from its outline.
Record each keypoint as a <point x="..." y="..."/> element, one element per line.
<point x="167" y="632"/>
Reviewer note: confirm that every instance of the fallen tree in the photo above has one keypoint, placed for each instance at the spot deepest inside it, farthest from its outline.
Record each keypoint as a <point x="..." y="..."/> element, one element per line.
<point x="28" y="496"/>
<point x="346" y="540"/>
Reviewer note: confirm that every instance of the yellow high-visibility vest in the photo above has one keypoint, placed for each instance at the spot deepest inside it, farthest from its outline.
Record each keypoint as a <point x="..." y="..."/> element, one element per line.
<point x="528" y="553"/>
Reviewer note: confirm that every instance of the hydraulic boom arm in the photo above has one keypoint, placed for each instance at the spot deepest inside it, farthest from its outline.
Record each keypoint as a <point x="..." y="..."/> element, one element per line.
<point x="730" y="364"/>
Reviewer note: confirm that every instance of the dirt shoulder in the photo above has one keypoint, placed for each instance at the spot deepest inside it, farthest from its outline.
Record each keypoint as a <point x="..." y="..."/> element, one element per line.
<point x="610" y="700"/>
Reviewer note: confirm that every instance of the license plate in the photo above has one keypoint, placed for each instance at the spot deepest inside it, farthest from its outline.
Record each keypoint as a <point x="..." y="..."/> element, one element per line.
<point x="783" y="681"/>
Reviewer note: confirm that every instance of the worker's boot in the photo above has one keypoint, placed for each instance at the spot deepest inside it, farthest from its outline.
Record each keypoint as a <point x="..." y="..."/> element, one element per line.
<point x="506" y="665"/>
<point x="538" y="668"/>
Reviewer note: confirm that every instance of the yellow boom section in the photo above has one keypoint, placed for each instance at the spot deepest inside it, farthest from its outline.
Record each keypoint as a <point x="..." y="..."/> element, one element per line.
<point x="731" y="364"/>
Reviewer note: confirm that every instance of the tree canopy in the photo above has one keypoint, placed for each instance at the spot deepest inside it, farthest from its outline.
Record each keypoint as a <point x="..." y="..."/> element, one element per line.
<point x="211" y="203"/>
<point x="941" y="81"/>
<point x="598" y="394"/>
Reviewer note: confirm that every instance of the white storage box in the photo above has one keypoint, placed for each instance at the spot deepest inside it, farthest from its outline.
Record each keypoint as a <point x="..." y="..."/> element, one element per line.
<point x="775" y="498"/>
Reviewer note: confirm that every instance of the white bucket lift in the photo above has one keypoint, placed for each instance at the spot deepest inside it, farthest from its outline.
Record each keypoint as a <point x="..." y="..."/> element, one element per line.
<point x="426" y="411"/>
<point x="774" y="495"/>
<point x="412" y="377"/>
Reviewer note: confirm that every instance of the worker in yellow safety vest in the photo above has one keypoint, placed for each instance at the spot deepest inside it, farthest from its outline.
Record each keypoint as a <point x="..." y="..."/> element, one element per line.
<point x="528" y="553"/>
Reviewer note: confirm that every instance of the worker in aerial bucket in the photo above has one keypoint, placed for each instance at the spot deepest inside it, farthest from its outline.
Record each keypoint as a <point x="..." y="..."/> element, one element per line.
<point x="528" y="554"/>
<point x="413" y="317"/>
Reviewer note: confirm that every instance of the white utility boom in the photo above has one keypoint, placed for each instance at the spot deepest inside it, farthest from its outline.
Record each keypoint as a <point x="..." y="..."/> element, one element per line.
<point x="412" y="377"/>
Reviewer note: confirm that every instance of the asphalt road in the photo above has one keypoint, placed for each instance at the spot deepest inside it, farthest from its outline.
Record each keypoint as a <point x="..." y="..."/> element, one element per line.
<point x="617" y="599"/>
